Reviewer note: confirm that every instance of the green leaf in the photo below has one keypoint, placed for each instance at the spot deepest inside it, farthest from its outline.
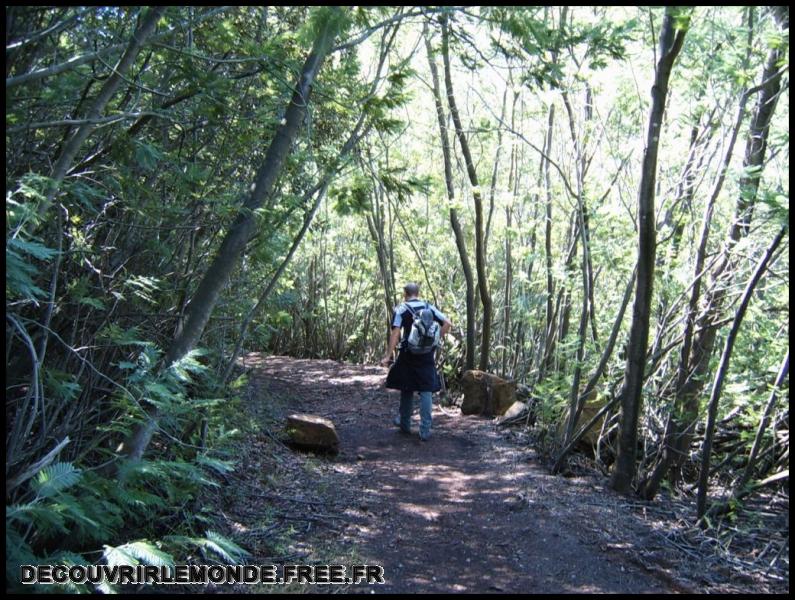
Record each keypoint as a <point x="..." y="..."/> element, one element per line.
<point x="148" y="553"/>
<point x="34" y="249"/>
<point x="219" y="466"/>
<point x="118" y="556"/>
<point x="93" y="302"/>
<point x="55" y="478"/>
<point x="225" y="548"/>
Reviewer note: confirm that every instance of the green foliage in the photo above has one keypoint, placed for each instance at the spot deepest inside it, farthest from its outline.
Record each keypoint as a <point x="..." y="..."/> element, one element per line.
<point x="403" y="187"/>
<point x="681" y="16"/>
<point x="335" y="18"/>
<point x="352" y="197"/>
<point x="148" y="200"/>
<point x="533" y="36"/>
<point x="54" y="478"/>
<point x="21" y="270"/>
<point x="215" y="545"/>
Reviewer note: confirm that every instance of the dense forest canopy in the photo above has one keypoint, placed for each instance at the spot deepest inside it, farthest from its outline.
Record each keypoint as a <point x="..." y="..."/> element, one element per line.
<point x="597" y="197"/>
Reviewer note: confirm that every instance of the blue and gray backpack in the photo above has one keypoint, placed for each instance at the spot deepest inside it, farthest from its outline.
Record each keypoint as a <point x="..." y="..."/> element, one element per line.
<point x="425" y="332"/>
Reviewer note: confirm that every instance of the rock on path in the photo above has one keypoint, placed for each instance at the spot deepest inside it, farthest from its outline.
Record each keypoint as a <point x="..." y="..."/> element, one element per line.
<point x="465" y="512"/>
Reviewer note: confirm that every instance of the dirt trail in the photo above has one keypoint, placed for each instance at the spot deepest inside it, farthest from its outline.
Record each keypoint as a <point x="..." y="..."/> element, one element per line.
<point x="467" y="511"/>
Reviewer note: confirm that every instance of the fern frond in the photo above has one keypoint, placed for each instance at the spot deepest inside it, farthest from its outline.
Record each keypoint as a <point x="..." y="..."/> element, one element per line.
<point x="148" y="553"/>
<point x="139" y="498"/>
<point x="219" y="466"/>
<point x="118" y="556"/>
<point x="44" y="518"/>
<point x="54" y="478"/>
<point x="226" y="548"/>
<point x="71" y="507"/>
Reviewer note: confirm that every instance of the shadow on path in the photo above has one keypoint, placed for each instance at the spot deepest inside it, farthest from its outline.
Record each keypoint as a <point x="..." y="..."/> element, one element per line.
<point x="464" y="512"/>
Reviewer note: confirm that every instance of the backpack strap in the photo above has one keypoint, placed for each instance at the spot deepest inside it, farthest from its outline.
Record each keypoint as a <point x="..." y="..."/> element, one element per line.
<point x="411" y="310"/>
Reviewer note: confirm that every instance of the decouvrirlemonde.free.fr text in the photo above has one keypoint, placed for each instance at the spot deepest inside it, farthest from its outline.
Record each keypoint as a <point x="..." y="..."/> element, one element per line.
<point x="203" y="574"/>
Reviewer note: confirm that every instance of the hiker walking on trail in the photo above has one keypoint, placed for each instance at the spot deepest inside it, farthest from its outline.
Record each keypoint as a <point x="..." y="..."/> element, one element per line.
<point x="415" y="369"/>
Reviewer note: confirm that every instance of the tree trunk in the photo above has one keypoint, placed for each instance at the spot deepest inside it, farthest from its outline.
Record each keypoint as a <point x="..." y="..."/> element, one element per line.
<point x="671" y="41"/>
<point x="760" y="432"/>
<point x="591" y="385"/>
<point x="375" y="226"/>
<point x="460" y="242"/>
<point x="112" y="84"/>
<point x="217" y="274"/>
<point x="75" y="141"/>
<point x="549" y="337"/>
<point x="685" y="408"/>
<point x="480" y="257"/>
<point x="575" y="406"/>
<point x="513" y="180"/>
<point x="495" y="168"/>
<point x="717" y="386"/>
<point x="272" y="283"/>
<point x="704" y="340"/>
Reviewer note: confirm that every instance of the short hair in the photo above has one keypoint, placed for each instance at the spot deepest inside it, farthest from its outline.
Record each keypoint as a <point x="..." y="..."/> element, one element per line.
<point x="411" y="289"/>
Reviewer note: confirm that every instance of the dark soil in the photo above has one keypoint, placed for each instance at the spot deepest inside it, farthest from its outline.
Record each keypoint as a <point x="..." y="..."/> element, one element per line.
<point x="470" y="510"/>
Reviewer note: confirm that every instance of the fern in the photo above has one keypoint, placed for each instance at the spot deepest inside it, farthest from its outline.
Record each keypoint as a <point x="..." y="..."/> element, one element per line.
<point x="18" y="553"/>
<point x="118" y="556"/>
<point x="69" y="559"/>
<point x="219" y="466"/>
<point x="20" y="272"/>
<point x="188" y="364"/>
<point x="139" y="498"/>
<point x="217" y="544"/>
<point x="225" y="548"/>
<point x="44" y="518"/>
<point x="149" y="554"/>
<point x="72" y="509"/>
<point x="54" y="478"/>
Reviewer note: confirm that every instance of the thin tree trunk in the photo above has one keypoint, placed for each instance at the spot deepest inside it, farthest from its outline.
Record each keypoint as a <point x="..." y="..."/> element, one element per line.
<point x="215" y="279"/>
<point x="703" y="341"/>
<point x="549" y="335"/>
<point x="112" y="84"/>
<point x="671" y="41"/>
<point x="480" y="257"/>
<point x="760" y="432"/>
<point x="685" y="194"/>
<point x="495" y="168"/>
<point x="241" y="338"/>
<point x="75" y="141"/>
<point x="717" y="386"/>
<point x="377" y="235"/>
<point x="424" y="267"/>
<point x="454" y="222"/>
<point x="574" y="408"/>
<point x="513" y="178"/>
<point x="685" y="409"/>
<point x="591" y="385"/>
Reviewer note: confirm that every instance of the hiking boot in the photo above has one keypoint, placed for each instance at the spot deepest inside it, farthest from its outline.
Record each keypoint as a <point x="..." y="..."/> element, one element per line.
<point x="398" y="424"/>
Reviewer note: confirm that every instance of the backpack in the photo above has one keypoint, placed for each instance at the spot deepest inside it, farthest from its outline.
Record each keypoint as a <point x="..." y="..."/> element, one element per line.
<point x="425" y="332"/>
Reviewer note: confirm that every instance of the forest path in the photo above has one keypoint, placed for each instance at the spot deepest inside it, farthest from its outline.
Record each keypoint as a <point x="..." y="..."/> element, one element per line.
<point x="467" y="511"/>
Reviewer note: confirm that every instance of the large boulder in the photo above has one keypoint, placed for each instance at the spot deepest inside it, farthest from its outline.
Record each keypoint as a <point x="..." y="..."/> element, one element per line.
<point x="516" y="409"/>
<point x="486" y="394"/>
<point x="593" y="404"/>
<point x="310" y="432"/>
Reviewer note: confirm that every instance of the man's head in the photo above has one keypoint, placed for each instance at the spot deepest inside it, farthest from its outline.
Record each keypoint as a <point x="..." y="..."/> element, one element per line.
<point x="411" y="290"/>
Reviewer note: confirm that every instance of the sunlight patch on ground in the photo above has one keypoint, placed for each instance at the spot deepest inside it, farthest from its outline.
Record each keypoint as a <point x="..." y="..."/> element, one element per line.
<point x="365" y="379"/>
<point x="415" y="509"/>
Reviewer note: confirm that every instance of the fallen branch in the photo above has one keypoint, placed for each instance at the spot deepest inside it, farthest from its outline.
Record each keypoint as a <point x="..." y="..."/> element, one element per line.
<point x="37" y="466"/>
